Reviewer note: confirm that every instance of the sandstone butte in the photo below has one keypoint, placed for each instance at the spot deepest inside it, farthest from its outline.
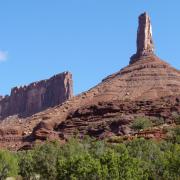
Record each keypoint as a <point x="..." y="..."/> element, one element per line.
<point x="147" y="87"/>
<point x="37" y="96"/>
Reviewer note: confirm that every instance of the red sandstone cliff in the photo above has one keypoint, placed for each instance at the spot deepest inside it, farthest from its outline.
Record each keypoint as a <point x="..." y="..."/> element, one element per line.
<point x="37" y="96"/>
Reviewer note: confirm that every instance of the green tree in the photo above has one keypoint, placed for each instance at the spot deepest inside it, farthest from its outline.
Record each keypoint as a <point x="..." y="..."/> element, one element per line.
<point x="141" y="123"/>
<point x="150" y="154"/>
<point x="172" y="163"/>
<point x="90" y="159"/>
<point x="109" y="163"/>
<point x="45" y="160"/>
<point x="174" y="135"/>
<point x="26" y="165"/>
<point x="8" y="164"/>
<point x="79" y="166"/>
<point x="176" y="118"/>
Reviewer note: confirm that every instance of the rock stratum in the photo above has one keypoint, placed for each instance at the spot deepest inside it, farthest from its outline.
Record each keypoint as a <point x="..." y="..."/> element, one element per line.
<point x="37" y="96"/>
<point x="147" y="87"/>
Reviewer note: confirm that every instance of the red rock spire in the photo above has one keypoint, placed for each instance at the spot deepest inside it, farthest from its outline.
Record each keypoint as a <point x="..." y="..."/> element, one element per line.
<point x="145" y="45"/>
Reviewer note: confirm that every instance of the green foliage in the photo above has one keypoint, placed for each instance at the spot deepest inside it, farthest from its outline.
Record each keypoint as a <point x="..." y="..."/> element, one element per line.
<point x="45" y="160"/>
<point x="89" y="159"/>
<point x="41" y="162"/>
<point x="141" y="123"/>
<point x="116" y="139"/>
<point x="174" y="135"/>
<point x="177" y="120"/>
<point x="157" y="121"/>
<point x="78" y="166"/>
<point x="26" y="165"/>
<point x="150" y="154"/>
<point x="8" y="164"/>
<point x="170" y="164"/>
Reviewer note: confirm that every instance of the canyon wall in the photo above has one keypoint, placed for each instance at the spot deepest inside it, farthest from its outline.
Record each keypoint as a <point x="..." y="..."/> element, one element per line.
<point x="37" y="96"/>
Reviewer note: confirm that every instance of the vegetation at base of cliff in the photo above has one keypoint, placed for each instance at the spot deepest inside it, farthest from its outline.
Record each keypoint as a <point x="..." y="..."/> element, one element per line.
<point x="141" y="123"/>
<point x="8" y="164"/>
<point x="89" y="159"/>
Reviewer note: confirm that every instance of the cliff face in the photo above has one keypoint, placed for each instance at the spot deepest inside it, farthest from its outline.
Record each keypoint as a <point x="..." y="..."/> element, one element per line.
<point x="37" y="96"/>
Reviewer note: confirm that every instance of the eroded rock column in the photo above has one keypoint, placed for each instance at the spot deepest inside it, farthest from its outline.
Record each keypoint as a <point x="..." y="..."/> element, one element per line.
<point x="145" y="45"/>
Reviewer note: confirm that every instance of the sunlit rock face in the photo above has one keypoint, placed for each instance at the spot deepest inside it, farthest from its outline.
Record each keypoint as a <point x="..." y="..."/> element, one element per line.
<point x="37" y="96"/>
<point x="145" y="45"/>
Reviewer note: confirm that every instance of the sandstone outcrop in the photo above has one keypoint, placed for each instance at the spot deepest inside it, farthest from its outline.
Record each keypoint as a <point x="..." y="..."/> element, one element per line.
<point x="115" y="117"/>
<point x="147" y="87"/>
<point x="37" y="96"/>
<point x="145" y="80"/>
<point x="145" y="45"/>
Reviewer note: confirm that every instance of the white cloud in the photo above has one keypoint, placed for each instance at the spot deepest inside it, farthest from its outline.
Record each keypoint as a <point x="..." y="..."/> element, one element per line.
<point x="3" y="55"/>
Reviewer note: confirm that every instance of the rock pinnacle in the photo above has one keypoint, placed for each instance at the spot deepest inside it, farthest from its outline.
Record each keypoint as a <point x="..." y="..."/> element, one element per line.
<point x="145" y="45"/>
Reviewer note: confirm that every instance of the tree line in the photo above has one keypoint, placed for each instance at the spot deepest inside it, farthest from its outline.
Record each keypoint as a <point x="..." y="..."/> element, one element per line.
<point x="90" y="159"/>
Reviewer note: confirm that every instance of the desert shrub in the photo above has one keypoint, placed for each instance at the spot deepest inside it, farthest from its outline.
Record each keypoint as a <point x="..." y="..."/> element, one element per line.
<point x="79" y="166"/>
<point x="39" y="162"/>
<point x="45" y="160"/>
<point x="109" y="164"/>
<point x="150" y="154"/>
<point x="172" y="163"/>
<point x="177" y="119"/>
<point x="174" y="135"/>
<point x="8" y="164"/>
<point x="118" y="164"/>
<point x="26" y="165"/>
<point x="116" y="139"/>
<point x="157" y="121"/>
<point x="95" y="147"/>
<point x="78" y="159"/>
<point x="141" y="123"/>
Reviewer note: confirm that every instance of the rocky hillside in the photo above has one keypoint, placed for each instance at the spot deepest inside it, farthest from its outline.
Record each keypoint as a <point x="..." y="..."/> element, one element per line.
<point x="148" y="87"/>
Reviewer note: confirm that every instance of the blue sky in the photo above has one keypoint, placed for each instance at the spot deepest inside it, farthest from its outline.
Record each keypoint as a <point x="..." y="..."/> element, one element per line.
<point x="90" y="38"/>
